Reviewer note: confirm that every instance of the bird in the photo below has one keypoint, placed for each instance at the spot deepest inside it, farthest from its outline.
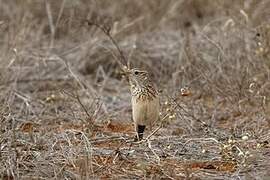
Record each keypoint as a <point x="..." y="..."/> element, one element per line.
<point x="144" y="100"/>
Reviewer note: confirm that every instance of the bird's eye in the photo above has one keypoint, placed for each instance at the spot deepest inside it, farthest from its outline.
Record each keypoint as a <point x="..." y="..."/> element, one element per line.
<point x="136" y="72"/>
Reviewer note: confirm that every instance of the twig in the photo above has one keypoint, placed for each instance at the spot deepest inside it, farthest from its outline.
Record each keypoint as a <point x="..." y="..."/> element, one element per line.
<point x="88" y="151"/>
<point x="82" y="105"/>
<point x="79" y="101"/>
<point x="200" y="139"/>
<point x="152" y="150"/>
<point x="106" y="31"/>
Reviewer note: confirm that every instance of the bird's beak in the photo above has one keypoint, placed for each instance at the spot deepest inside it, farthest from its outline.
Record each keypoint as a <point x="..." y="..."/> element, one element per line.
<point x="125" y="73"/>
<point x="128" y="72"/>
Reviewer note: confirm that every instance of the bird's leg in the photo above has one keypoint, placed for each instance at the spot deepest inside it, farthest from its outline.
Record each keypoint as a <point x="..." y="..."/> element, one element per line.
<point x="139" y="131"/>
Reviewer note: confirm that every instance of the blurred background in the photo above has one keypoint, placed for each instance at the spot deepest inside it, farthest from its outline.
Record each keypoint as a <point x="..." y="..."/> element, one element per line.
<point x="58" y="74"/>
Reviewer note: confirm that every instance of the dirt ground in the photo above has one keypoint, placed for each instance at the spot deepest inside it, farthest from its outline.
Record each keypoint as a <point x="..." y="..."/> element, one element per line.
<point x="65" y="110"/>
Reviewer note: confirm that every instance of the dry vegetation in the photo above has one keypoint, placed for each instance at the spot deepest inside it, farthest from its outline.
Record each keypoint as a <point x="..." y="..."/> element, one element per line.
<point x="65" y="110"/>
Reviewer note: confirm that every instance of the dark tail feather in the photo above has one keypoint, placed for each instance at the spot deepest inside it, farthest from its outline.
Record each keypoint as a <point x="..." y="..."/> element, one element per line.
<point x="140" y="130"/>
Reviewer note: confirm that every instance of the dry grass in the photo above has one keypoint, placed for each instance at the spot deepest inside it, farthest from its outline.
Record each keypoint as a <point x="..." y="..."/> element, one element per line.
<point x="65" y="110"/>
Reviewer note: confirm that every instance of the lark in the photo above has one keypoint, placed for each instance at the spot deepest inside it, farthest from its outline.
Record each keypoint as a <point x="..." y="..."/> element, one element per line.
<point x="144" y="100"/>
